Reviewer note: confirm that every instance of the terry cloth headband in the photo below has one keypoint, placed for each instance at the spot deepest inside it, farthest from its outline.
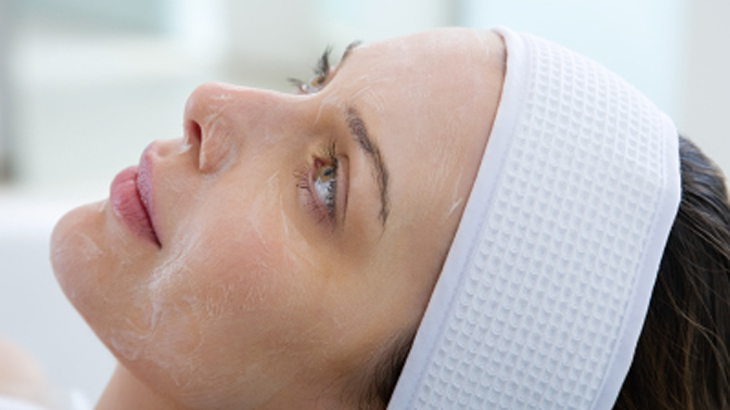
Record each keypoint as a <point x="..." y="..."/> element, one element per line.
<point x="544" y="291"/>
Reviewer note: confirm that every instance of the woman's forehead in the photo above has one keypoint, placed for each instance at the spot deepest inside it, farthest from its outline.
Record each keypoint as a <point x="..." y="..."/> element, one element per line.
<point x="437" y="47"/>
<point x="431" y="112"/>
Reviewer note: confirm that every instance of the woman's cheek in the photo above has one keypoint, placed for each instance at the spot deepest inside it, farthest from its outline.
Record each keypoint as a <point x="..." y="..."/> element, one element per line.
<point x="158" y="323"/>
<point x="228" y="281"/>
<point x="173" y="327"/>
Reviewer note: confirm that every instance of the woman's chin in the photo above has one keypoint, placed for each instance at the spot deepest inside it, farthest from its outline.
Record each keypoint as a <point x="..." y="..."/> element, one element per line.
<point x="77" y="251"/>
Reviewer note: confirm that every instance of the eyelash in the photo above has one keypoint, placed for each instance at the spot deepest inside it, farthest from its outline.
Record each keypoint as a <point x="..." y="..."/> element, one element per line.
<point x="321" y="74"/>
<point x="307" y="183"/>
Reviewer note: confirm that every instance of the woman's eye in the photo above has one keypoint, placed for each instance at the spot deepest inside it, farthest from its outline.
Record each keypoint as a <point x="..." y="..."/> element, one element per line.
<point x="318" y="81"/>
<point x="325" y="185"/>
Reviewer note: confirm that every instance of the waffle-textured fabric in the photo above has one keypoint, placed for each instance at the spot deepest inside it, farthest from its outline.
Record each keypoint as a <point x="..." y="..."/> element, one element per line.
<point x="544" y="291"/>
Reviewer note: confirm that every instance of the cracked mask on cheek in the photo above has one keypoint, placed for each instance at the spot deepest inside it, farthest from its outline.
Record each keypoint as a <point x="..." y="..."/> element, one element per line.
<point x="220" y="290"/>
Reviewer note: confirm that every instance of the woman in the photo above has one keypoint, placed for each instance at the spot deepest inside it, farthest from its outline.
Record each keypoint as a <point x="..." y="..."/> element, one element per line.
<point x="283" y="253"/>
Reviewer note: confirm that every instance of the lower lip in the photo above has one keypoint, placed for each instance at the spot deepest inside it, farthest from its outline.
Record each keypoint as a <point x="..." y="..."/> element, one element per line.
<point x="127" y="205"/>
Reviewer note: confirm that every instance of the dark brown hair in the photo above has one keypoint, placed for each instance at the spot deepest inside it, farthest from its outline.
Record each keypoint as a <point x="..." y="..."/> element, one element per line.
<point x="374" y="389"/>
<point x="682" y="359"/>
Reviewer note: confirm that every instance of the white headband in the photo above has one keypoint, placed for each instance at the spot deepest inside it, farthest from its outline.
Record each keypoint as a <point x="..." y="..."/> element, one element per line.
<point x="545" y="289"/>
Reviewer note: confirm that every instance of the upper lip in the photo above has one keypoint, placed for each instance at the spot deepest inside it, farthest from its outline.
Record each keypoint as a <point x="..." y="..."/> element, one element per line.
<point x="145" y="186"/>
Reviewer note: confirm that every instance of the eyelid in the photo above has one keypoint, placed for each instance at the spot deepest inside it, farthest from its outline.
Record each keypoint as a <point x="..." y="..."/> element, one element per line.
<point x="342" y="179"/>
<point x="311" y="200"/>
<point x="343" y="187"/>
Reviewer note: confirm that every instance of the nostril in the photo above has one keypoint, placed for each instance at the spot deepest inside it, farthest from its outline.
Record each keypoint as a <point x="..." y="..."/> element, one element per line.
<point x="193" y="133"/>
<point x="211" y="124"/>
<point x="193" y="139"/>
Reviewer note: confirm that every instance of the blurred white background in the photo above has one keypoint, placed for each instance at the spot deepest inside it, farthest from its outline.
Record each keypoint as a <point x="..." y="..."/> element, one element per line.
<point x="85" y="85"/>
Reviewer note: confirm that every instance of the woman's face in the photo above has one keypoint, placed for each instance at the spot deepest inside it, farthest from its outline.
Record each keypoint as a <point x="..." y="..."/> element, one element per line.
<point x="291" y="237"/>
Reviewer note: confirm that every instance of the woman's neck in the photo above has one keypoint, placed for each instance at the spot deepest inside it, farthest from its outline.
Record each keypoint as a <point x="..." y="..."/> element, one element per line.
<point x="125" y="392"/>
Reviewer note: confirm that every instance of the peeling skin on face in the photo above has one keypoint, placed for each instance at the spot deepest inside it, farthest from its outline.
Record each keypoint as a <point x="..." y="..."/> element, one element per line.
<point x="90" y="249"/>
<point x="273" y="182"/>
<point x="257" y="229"/>
<point x="284" y="219"/>
<point x="185" y="146"/>
<point x="174" y="184"/>
<point x="212" y="155"/>
<point x="327" y="102"/>
<point x="216" y="122"/>
<point x="370" y="98"/>
<point x="454" y="207"/>
<point x="132" y="337"/>
<point x="263" y="204"/>
<point x="175" y="352"/>
<point x="248" y="293"/>
<point x="252" y="300"/>
<point x="222" y="97"/>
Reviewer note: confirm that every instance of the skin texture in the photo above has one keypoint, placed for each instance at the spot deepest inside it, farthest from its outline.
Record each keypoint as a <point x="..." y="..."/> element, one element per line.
<point x="255" y="298"/>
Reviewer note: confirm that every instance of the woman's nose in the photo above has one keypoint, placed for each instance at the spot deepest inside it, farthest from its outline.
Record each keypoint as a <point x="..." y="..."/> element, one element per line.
<point x="224" y="119"/>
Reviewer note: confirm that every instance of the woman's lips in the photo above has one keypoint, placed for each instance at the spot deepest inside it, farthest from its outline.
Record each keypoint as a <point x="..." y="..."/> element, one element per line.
<point x="130" y="195"/>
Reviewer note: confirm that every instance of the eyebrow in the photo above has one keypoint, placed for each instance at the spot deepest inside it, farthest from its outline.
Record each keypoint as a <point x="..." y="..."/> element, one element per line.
<point x="347" y="52"/>
<point x="349" y="48"/>
<point x="360" y="134"/>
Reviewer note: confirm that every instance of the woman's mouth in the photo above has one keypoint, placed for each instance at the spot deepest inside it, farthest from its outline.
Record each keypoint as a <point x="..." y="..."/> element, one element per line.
<point x="130" y="198"/>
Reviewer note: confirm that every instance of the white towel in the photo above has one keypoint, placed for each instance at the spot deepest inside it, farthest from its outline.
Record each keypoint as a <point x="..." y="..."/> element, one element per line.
<point x="545" y="289"/>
